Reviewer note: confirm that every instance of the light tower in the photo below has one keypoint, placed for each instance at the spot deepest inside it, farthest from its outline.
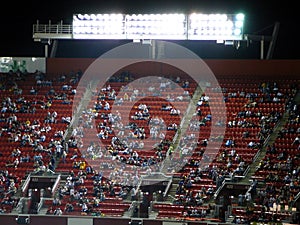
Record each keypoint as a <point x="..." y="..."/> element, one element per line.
<point x="144" y="28"/>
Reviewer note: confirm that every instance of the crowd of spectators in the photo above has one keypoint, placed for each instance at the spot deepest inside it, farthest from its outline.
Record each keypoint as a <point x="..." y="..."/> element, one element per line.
<point x="32" y="129"/>
<point x="254" y="123"/>
<point x="278" y="171"/>
<point x="124" y="151"/>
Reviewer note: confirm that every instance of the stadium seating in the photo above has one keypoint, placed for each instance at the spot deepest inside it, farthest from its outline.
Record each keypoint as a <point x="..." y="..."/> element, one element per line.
<point x="252" y="114"/>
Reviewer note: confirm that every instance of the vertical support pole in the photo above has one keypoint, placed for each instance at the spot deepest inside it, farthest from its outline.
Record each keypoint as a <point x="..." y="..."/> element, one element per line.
<point x="262" y="48"/>
<point x="153" y="48"/>
<point x="46" y="51"/>
<point x="273" y="41"/>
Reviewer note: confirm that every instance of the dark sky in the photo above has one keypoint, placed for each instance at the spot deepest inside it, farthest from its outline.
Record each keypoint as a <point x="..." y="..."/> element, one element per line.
<point x="17" y="19"/>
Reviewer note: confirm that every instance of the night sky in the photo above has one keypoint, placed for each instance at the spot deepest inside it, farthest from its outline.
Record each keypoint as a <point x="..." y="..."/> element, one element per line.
<point x="17" y="19"/>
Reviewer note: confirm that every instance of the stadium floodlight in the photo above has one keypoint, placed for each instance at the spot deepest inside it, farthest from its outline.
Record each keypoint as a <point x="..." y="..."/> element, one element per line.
<point x="100" y="26"/>
<point x="196" y="26"/>
<point x="215" y="26"/>
<point x="172" y="26"/>
<point x="159" y="26"/>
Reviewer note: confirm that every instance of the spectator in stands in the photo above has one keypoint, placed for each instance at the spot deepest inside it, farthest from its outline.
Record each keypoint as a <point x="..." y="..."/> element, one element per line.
<point x="133" y="194"/>
<point x="174" y="111"/>
<point x="58" y="212"/>
<point x="84" y="208"/>
<point x="25" y="158"/>
<point x="16" y="152"/>
<point x="33" y="91"/>
<point x="50" y="211"/>
<point x="123" y="193"/>
<point x="66" y="119"/>
<point x="229" y="143"/>
<point x="186" y="84"/>
<point x="12" y="188"/>
<point x="56" y="202"/>
<point x="69" y="207"/>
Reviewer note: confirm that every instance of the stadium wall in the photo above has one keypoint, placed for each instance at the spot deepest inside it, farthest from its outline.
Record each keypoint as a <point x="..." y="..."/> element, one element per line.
<point x="69" y="220"/>
<point x="266" y="69"/>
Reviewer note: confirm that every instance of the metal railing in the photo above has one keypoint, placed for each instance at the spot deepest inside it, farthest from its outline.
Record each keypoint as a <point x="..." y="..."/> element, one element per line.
<point x="52" y="28"/>
<point x="56" y="184"/>
<point x="165" y="194"/>
<point x="40" y="204"/>
<point x="26" y="184"/>
<point x="20" y="205"/>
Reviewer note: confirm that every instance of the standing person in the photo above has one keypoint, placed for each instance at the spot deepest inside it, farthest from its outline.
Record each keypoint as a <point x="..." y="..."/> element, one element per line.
<point x="133" y="194"/>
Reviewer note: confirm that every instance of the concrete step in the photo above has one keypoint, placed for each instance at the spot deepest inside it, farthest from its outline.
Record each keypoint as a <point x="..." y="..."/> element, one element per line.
<point x="153" y="215"/>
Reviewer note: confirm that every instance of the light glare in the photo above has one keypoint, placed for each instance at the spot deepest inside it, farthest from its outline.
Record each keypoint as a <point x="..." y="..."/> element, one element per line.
<point x="195" y="26"/>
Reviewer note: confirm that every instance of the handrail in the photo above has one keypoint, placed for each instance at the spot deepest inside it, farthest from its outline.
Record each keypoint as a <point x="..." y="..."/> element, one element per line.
<point x="131" y="208"/>
<point x="219" y="189"/>
<point x="246" y="171"/>
<point x="138" y="186"/>
<point x="296" y="198"/>
<point x="20" y="205"/>
<point x="56" y="184"/>
<point x="167" y="188"/>
<point x="26" y="183"/>
<point x="52" y="28"/>
<point x="40" y="205"/>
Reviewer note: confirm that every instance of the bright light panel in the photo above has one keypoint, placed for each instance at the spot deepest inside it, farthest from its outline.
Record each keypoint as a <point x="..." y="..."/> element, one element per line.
<point x="155" y="26"/>
<point x="215" y="26"/>
<point x="98" y="26"/>
<point x="195" y="26"/>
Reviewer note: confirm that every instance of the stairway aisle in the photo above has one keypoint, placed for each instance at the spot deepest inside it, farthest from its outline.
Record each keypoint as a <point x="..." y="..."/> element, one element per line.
<point x="183" y="128"/>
